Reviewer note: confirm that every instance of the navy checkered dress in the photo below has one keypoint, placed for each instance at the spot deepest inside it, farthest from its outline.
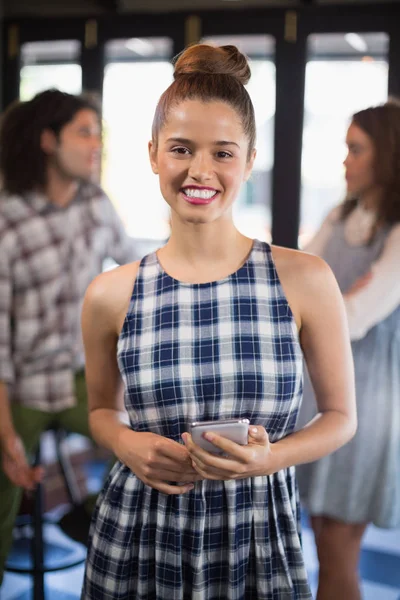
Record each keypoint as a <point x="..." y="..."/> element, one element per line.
<point x="191" y="352"/>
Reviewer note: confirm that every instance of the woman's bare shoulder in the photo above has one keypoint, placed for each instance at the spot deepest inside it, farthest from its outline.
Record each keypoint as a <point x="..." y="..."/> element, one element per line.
<point x="108" y="296"/>
<point x="305" y="279"/>
<point x="298" y="264"/>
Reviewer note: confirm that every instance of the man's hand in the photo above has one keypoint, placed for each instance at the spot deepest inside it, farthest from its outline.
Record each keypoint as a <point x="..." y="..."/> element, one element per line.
<point x="15" y="464"/>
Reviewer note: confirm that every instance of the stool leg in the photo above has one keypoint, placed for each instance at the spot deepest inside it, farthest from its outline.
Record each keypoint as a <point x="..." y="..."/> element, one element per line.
<point x="71" y="483"/>
<point x="37" y="540"/>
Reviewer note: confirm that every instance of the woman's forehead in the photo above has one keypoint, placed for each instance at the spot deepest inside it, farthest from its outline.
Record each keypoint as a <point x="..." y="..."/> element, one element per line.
<point x="203" y="119"/>
<point x="355" y="133"/>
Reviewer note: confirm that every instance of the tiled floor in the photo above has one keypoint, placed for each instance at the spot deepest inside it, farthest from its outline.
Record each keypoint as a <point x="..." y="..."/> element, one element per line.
<point x="380" y="567"/>
<point x="62" y="585"/>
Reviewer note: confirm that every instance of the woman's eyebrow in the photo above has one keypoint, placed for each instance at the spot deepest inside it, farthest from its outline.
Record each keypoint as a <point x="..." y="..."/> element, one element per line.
<point x="180" y="140"/>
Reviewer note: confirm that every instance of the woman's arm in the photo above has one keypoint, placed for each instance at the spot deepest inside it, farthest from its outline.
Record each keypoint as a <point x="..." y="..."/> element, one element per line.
<point x="327" y="351"/>
<point x="154" y="459"/>
<point x="106" y="300"/>
<point x="380" y="296"/>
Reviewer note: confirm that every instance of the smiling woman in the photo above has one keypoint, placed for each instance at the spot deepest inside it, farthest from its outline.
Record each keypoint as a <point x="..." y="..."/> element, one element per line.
<point x="212" y="326"/>
<point x="201" y="156"/>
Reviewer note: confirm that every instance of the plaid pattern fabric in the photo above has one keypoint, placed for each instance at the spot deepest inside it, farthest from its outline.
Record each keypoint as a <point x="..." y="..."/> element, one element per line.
<point x="194" y="352"/>
<point x="48" y="257"/>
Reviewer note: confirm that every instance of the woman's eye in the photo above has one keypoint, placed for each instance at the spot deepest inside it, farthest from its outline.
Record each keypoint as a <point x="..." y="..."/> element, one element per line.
<point x="180" y="150"/>
<point x="223" y="154"/>
<point x="355" y="150"/>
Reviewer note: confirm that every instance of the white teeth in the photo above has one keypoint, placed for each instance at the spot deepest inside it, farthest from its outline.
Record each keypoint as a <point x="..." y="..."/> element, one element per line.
<point x="203" y="194"/>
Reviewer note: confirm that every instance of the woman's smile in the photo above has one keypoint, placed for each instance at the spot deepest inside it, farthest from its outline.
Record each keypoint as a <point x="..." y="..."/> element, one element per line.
<point x="199" y="195"/>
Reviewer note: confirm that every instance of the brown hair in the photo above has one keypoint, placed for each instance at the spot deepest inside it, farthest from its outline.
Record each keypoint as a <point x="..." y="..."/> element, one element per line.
<point x="207" y="73"/>
<point x="382" y="125"/>
<point x="22" y="160"/>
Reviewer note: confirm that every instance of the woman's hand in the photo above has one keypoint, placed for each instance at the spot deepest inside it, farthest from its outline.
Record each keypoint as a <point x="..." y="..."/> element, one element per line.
<point x="157" y="461"/>
<point x="242" y="461"/>
<point x="359" y="284"/>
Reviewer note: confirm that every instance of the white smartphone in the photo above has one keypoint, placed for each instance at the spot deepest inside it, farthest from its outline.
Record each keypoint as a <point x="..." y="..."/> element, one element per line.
<point x="235" y="430"/>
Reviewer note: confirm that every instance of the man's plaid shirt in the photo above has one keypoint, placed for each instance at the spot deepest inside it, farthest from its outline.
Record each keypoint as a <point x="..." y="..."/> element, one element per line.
<point x="48" y="257"/>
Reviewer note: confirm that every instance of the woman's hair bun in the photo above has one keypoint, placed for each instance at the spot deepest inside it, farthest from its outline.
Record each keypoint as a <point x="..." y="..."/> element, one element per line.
<point x="213" y="60"/>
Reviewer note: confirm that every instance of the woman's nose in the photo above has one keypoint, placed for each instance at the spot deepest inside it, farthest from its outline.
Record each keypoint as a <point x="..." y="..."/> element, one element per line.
<point x="201" y="167"/>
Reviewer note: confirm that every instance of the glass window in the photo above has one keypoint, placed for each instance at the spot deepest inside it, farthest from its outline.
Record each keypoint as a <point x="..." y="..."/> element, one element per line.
<point x="345" y="73"/>
<point x="252" y="210"/>
<point x="50" y="65"/>
<point x="137" y="72"/>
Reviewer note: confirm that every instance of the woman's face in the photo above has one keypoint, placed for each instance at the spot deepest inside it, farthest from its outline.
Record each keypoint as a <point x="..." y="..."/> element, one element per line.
<point x="202" y="160"/>
<point x="359" y="163"/>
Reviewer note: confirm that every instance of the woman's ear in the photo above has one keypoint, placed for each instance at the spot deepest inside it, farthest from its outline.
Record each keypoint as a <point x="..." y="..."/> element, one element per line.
<point x="48" y="141"/>
<point x="153" y="157"/>
<point x="249" y="165"/>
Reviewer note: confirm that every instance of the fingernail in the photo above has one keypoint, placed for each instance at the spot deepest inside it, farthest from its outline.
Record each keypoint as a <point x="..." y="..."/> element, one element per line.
<point x="254" y="430"/>
<point x="209" y="436"/>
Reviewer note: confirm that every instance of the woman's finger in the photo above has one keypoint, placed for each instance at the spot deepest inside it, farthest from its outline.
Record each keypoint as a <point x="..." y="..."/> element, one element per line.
<point x="258" y="434"/>
<point x="166" y="488"/>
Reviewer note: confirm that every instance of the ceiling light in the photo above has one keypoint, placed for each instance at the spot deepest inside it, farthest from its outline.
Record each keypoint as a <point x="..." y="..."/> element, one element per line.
<point x="356" y="41"/>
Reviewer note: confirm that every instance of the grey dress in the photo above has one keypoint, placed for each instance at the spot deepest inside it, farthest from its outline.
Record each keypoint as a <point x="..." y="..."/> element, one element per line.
<point x="361" y="481"/>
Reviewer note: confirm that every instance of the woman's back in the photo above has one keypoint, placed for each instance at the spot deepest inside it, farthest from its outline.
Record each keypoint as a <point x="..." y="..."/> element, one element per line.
<point x="361" y="481"/>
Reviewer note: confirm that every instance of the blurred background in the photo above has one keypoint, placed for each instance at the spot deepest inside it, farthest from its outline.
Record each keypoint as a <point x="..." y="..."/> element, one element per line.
<point x="314" y="63"/>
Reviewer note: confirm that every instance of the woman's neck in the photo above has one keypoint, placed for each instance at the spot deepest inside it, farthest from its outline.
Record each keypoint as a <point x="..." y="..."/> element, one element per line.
<point x="206" y="252"/>
<point x="371" y="199"/>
